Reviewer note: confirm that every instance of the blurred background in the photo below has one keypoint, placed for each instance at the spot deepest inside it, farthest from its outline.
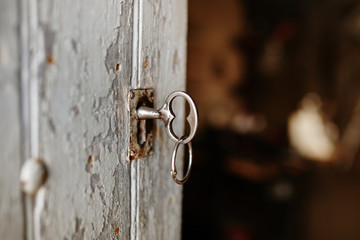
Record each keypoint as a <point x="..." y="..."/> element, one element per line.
<point x="277" y="85"/>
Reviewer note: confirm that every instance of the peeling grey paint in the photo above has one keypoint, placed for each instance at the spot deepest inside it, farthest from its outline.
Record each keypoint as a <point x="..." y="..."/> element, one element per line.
<point x="84" y="100"/>
<point x="162" y="38"/>
<point x="78" y="60"/>
<point x="94" y="180"/>
<point x="112" y="57"/>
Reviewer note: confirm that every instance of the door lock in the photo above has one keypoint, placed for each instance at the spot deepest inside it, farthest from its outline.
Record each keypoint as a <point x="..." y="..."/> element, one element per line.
<point x="141" y="135"/>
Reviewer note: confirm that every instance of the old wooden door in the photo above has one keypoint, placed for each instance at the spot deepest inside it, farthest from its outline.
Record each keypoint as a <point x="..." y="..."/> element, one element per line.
<point x="65" y="70"/>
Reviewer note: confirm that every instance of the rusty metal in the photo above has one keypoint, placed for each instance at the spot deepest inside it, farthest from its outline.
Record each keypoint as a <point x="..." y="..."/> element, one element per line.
<point x="141" y="131"/>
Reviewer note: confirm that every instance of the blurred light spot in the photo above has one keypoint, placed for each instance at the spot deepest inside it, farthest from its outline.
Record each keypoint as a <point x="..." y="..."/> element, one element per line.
<point x="309" y="134"/>
<point x="248" y="123"/>
<point x="282" y="191"/>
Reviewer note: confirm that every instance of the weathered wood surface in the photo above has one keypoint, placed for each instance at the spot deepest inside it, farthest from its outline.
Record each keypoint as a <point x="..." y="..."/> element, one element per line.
<point x="78" y="60"/>
<point x="161" y="57"/>
<point x="84" y="76"/>
<point x="11" y="211"/>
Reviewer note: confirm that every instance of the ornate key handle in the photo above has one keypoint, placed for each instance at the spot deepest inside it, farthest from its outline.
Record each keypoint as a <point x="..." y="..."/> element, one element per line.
<point x="166" y="114"/>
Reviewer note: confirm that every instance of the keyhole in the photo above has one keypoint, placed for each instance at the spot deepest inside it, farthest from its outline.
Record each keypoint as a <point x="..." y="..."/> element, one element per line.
<point x="142" y="132"/>
<point x="144" y="126"/>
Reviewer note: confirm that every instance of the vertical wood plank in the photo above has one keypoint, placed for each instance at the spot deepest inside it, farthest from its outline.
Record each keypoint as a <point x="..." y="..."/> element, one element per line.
<point x="79" y="55"/>
<point x="11" y="211"/>
<point x="84" y="74"/>
<point x="161" y="43"/>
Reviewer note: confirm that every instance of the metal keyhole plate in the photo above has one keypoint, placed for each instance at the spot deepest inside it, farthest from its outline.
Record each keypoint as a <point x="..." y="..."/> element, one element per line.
<point x="141" y="131"/>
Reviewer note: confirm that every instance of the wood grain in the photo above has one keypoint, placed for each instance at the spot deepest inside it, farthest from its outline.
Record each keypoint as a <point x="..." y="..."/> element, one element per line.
<point x="11" y="211"/>
<point x="65" y="71"/>
<point x="156" y="198"/>
<point x="84" y="76"/>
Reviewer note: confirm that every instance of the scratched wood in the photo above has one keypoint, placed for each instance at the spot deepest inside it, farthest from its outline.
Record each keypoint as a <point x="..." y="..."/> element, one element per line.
<point x="64" y="96"/>
<point x="84" y="72"/>
<point x="161" y="56"/>
<point x="89" y="57"/>
<point x="11" y="211"/>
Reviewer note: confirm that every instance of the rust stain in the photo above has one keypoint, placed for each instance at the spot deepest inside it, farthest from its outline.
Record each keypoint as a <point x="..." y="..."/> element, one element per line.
<point x="50" y="60"/>
<point x="132" y="154"/>
<point x="146" y="63"/>
<point x="45" y="176"/>
<point x="117" y="67"/>
<point x="91" y="159"/>
<point x="117" y="231"/>
<point x="176" y="61"/>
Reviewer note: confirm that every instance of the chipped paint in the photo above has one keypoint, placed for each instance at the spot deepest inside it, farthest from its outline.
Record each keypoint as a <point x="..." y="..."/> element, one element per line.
<point x="78" y="61"/>
<point x="83" y="80"/>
